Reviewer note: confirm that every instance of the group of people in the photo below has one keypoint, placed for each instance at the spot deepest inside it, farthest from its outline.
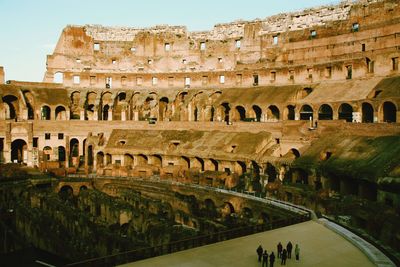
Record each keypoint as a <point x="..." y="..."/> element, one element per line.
<point x="282" y="253"/>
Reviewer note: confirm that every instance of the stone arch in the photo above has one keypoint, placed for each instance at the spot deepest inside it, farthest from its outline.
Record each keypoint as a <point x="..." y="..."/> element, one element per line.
<point x="61" y="154"/>
<point x="30" y="103"/>
<point x="289" y="113"/>
<point x="264" y="218"/>
<point x="163" y="108"/>
<point x="185" y="162"/>
<point x="105" y="107"/>
<point x="157" y="160"/>
<point x="225" y="112"/>
<point x="273" y="113"/>
<point x="241" y="167"/>
<point x="255" y="169"/>
<point x="367" y="112"/>
<point x="214" y="164"/>
<point x="58" y="77"/>
<point x="99" y="159"/>
<point x="141" y="160"/>
<point x="293" y="153"/>
<point x="345" y="112"/>
<point x="61" y="113"/>
<point x="45" y="112"/>
<point x="75" y="108"/>
<point x="104" y="114"/>
<point x="306" y="112"/>
<point x="227" y="209"/>
<point x="82" y="188"/>
<point x="128" y="160"/>
<point x="19" y="151"/>
<point x="198" y="163"/>
<point x="118" y="106"/>
<point x="325" y="112"/>
<point x="90" y="106"/>
<point x="108" y="159"/>
<point x="257" y="112"/>
<point x="66" y="189"/>
<point x="271" y="172"/>
<point x="240" y="113"/>
<point x="389" y="111"/>
<point x="11" y="106"/>
<point x="47" y="153"/>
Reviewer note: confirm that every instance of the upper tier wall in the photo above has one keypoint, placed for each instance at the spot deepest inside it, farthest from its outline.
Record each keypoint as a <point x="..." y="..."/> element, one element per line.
<point x="306" y="46"/>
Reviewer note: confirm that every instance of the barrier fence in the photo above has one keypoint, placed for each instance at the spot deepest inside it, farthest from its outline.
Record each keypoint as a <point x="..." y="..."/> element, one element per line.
<point x="197" y="241"/>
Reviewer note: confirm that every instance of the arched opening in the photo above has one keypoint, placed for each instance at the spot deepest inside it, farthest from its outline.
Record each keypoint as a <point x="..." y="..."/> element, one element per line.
<point x="255" y="169"/>
<point x="163" y="107"/>
<point x="90" y="155"/>
<point x="227" y="209"/>
<point x="271" y="172"/>
<point x="214" y="164"/>
<point x="389" y="112"/>
<point x="82" y="188"/>
<point x="100" y="159"/>
<point x="47" y="152"/>
<point x="74" y="154"/>
<point x="61" y="153"/>
<point x="128" y="160"/>
<point x="273" y="113"/>
<point x="122" y="96"/>
<point x="108" y="159"/>
<point x="306" y="112"/>
<point x="74" y="108"/>
<point x="11" y="106"/>
<point x="66" y="191"/>
<point x="290" y="114"/>
<point x="106" y="108"/>
<point x="242" y="167"/>
<point x="141" y="160"/>
<point x="31" y="113"/>
<point x="19" y="151"/>
<point x="185" y="162"/>
<point x="61" y="113"/>
<point x="367" y="113"/>
<point x="240" y="113"/>
<point x="292" y="154"/>
<point x="157" y="160"/>
<point x="226" y="110"/>
<point x="325" y="112"/>
<point x="212" y="113"/>
<point x="58" y="77"/>
<point x="258" y="112"/>
<point x="198" y="163"/>
<point x="345" y="112"/>
<point x="196" y="114"/>
<point x="90" y="105"/>
<point x="45" y="113"/>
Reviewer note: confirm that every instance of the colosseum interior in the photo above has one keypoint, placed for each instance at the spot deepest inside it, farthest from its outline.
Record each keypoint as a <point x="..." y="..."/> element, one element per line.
<point x="300" y="107"/>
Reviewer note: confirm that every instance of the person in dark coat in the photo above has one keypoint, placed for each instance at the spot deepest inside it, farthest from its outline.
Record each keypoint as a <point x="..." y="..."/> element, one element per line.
<point x="284" y="256"/>
<point x="279" y="247"/>
<point x="259" y="252"/>
<point x="271" y="259"/>
<point x="289" y="248"/>
<point x="264" y="259"/>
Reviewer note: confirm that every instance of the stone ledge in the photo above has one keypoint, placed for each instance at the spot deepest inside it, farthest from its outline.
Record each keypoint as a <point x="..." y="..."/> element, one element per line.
<point x="375" y="255"/>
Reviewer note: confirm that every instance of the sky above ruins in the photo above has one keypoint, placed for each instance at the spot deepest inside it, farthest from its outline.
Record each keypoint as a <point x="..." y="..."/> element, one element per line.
<point x="30" y="29"/>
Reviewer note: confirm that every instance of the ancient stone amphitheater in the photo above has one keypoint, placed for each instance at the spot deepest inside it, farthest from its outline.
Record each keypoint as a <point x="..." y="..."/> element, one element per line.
<point x="302" y="107"/>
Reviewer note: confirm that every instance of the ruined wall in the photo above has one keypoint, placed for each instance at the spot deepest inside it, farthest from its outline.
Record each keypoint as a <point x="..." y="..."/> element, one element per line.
<point x="345" y="41"/>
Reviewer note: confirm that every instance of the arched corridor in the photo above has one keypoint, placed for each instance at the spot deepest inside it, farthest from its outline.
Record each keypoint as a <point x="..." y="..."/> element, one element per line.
<point x="389" y="112"/>
<point x="19" y="151"/>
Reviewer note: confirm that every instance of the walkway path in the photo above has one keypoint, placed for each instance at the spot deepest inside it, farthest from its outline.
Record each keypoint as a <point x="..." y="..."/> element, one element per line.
<point x="319" y="246"/>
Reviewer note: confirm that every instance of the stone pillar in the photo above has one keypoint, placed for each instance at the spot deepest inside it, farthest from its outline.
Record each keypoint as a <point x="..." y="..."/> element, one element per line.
<point x="30" y="145"/>
<point x="95" y="115"/>
<point x="110" y="114"/>
<point x="123" y="115"/>
<point x="297" y="114"/>
<point x="67" y="151"/>
<point x="136" y="116"/>
<point x="7" y="144"/>
<point x="82" y="115"/>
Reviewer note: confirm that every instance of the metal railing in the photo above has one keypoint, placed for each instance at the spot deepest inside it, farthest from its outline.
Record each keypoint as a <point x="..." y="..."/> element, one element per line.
<point x="149" y="252"/>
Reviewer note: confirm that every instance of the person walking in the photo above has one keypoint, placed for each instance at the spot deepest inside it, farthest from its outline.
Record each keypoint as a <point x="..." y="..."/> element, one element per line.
<point x="259" y="252"/>
<point x="297" y="252"/>
<point x="289" y="248"/>
<point x="265" y="259"/>
<point x="279" y="248"/>
<point x="271" y="259"/>
<point x="284" y="256"/>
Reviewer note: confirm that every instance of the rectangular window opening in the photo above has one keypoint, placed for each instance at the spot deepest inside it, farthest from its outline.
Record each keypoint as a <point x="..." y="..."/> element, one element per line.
<point x="255" y="79"/>
<point x="60" y="136"/>
<point x="395" y="63"/>
<point x="275" y="40"/>
<point x="202" y="46"/>
<point x="167" y="46"/>
<point x="222" y="79"/>
<point x="349" y="69"/>
<point x="154" y="81"/>
<point x="96" y="47"/>
<point x="47" y="136"/>
<point x="139" y="81"/>
<point x="238" y="44"/>
<point x="238" y="79"/>
<point x="77" y="79"/>
<point x="204" y="80"/>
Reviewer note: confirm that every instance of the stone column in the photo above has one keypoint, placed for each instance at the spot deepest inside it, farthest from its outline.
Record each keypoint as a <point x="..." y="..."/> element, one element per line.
<point x="82" y="115"/>
<point x="123" y="115"/>
<point x="110" y="114"/>
<point x="95" y="115"/>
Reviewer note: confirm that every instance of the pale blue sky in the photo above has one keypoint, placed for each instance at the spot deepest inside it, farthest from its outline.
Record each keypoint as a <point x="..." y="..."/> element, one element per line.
<point x="29" y="29"/>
